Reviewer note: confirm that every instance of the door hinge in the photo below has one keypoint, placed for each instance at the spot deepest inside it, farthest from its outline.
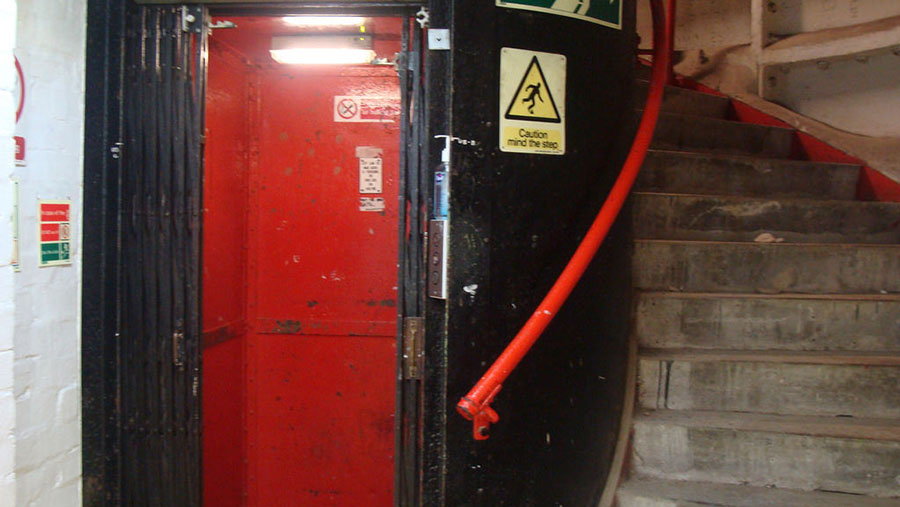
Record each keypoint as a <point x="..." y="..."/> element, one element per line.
<point x="413" y="342"/>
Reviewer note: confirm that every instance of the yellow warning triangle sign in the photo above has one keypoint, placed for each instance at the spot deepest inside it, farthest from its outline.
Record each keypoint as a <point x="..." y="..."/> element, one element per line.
<point x="533" y="100"/>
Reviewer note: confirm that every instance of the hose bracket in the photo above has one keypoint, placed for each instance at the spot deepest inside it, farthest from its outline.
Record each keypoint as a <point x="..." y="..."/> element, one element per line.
<point x="481" y="415"/>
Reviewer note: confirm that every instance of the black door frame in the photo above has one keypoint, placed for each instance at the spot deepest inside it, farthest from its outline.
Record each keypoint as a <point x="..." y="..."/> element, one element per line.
<point x="103" y="132"/>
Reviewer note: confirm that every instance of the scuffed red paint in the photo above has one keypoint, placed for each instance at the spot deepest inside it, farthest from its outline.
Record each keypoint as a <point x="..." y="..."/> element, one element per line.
<point x="224" y="277"/>
<point x="311" y="386"/>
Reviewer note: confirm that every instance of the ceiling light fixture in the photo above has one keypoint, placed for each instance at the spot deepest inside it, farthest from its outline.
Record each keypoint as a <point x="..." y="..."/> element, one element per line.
<point x="323" y="20"/>
<point x="322" y="49"/>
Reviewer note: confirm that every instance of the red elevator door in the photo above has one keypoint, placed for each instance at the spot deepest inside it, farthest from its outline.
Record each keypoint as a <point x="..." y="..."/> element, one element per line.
<point x="315" y="167"/>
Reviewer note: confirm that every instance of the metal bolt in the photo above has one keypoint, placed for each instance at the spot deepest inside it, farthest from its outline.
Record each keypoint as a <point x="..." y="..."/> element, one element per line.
<point x="823" y="65"/>
<point x="423" y="17"/>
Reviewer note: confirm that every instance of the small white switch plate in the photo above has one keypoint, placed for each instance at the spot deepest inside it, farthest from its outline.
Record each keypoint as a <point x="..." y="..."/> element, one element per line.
<point x="438" y="39"/>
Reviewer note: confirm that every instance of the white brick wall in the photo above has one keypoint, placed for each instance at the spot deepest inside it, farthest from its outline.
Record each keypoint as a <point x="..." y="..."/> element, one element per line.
<point x="7" y="302"/>
<point x="50" y="41"/>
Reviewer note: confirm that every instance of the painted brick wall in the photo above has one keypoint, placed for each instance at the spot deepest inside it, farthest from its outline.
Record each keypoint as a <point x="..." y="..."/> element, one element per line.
<point x="7" y="304"/>
<point x="50" y="41"/>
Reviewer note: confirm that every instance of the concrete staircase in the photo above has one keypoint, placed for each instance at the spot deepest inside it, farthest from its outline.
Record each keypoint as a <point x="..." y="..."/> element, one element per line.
<point x="767" y="318"/>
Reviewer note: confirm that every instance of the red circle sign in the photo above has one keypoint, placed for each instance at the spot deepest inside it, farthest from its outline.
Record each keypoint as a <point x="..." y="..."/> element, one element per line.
<point x="20" y="87"/>
<point x="347" y="108"/>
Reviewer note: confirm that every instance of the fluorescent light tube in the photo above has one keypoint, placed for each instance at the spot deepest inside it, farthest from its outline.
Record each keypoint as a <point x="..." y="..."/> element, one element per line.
<point x="322" y="49"/>
<point x="322" y="56"/>
<point x="323" y="20"/>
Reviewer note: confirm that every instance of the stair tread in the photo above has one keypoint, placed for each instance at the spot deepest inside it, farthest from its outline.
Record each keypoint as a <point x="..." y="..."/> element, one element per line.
<point x="696" y="216"/>
<point x="875" y="358"/>
<point x="731" y="495"/>
<point x="849" y="246"/>
<point x="767" y="268"/>
<point x="663" y="115"/>
<point x="733" y="174"/>
<point x="819" y="426"/>
<point x="784" y="295"/>
<point x="752" y="198"/>
<point x="686" y="101"/>
<point x="749" y="158"/>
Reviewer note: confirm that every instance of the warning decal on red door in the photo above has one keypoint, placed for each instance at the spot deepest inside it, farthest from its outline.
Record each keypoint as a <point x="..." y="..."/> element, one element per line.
<point x="357" y="109"/>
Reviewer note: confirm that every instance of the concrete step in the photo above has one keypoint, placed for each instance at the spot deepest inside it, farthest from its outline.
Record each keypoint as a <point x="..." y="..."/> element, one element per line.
<point x="684" y="101"/>
<point x="730" y="218"/>
<point x="770" y="268"/>
<point x="850" y="322"/>
<point x="694" y="133"/>
<point x="704" y="173"/>
<point x="802" y="385"/>
<point x="835" y="427"/>
<point x="678" y="450"/>
<point x="643" y="492"/>
<point x="873" y="358"/>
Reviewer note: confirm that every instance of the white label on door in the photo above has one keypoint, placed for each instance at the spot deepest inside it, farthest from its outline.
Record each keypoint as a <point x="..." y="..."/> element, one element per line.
<point x="371" y="204"/>
<point x="370" y="175"/>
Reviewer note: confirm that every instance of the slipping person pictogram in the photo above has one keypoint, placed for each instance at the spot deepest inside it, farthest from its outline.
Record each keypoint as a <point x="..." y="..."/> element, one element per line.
<point x="533" y="90"/>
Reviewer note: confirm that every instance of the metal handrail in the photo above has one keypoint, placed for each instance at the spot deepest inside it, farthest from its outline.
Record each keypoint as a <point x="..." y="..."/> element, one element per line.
<point x="476" y="405"/>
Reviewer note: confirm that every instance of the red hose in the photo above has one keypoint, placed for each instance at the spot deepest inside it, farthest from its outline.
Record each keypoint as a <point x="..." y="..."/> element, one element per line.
<point x="475" y="406"/>
<point x="670" y="40"/>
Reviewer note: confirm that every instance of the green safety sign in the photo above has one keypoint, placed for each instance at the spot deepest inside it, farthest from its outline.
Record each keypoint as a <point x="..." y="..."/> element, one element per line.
<point x="55" y="253"/>
<point x="54" y="233"/>
<point x="603" y="12"/>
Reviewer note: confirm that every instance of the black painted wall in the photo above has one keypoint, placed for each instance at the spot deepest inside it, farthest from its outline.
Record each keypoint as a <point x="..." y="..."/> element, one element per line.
<point x="515" y="221"/>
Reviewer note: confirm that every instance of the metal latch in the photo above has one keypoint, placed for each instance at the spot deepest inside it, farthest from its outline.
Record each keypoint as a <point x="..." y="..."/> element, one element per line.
<point x="191" y="18"/>
<point x="116" y="150"/>
<point x="218" y="25"/>
<point x="437" y="259"/>
<point x="413" y="340"/>
<point x="178" y="350"/>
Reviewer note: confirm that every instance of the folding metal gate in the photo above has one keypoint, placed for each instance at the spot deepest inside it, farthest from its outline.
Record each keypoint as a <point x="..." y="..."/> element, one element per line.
<point x="159" y="367"/>
<point x="142" y="292"/>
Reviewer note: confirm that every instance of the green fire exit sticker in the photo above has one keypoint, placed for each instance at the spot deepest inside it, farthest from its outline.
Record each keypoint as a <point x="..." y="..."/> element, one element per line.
<point x="603" y="12"/>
